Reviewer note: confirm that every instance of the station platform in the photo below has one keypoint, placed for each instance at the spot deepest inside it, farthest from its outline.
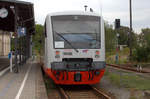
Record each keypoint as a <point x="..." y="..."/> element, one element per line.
<point x="4" y="62"/>
<point x="27" y="84"/>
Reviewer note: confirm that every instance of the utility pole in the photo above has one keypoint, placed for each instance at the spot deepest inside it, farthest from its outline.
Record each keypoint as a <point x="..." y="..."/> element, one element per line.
<point x="85" y="7"/>
<point x="130" y="35"/>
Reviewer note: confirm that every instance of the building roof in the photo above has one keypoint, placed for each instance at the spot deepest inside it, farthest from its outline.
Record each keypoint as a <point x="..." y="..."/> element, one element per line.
<point x="24" y="12"/>
<point x="16" y="1"/>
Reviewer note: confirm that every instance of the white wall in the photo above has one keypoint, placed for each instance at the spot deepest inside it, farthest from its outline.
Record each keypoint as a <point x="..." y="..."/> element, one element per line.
<point x="4" y="43"/>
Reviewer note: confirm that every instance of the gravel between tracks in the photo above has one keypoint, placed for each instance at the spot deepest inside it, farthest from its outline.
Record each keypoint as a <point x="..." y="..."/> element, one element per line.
<point x="80" y="92"/>
<point x="119" y="93"/>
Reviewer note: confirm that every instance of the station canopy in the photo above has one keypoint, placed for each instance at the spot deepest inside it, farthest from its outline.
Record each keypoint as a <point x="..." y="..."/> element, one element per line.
<point x="14" y="14"/>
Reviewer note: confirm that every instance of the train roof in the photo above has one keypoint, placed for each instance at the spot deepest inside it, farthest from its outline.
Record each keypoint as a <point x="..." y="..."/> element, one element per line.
<point x="74" y="13"/>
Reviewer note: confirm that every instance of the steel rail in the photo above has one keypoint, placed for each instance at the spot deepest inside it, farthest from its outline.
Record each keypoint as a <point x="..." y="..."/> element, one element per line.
<point x="127" y="68"/>
<point x="98" y="92"/>
<point x="101" y="93"/>
<point x="63" y="94"/>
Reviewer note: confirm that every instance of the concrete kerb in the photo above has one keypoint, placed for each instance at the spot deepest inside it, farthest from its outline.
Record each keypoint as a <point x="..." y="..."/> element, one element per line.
<point x="5" y="70"/>
<point x="8" y="68"/>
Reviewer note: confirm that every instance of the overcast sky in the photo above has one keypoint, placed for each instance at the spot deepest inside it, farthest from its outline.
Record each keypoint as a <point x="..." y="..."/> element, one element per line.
<point x="110" y="9"/>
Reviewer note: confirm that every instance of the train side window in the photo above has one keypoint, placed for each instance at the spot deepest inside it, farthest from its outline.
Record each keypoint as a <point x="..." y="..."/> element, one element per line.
<point x="45" y="33"/>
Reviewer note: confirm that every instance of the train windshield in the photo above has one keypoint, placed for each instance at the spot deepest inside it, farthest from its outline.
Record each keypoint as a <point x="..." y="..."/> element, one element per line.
<point x="82" y="32"/>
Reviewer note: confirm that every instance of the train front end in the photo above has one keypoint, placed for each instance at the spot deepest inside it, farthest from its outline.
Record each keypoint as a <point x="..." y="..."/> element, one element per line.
<point x="76" y="48"/>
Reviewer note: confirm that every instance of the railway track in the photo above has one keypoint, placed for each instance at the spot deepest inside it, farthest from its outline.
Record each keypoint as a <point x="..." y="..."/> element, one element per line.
<point x="82" y="92"/>
<point x="128" y="68"/>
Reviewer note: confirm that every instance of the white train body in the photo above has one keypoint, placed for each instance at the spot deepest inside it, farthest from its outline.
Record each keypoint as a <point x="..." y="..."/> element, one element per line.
<point x="74" y="41"/>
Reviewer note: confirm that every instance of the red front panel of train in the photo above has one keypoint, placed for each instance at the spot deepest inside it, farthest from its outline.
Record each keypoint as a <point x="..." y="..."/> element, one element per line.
<point x="75" y="77"/>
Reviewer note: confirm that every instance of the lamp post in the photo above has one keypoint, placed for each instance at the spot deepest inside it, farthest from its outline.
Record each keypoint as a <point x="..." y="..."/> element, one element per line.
<point x="117" y="49"/>
<point x="13" y="8"/>
<point x="85" y="7"/>
<point x="117" y="40"/>
<point x="130" y="36"/>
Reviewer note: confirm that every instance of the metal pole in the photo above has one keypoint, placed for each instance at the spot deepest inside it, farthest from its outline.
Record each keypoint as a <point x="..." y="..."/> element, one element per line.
<point x="11" y="61"/>
<point x="31" y="46"/>
<point x="24" y="49"/>
<point x="20" y="50"/>
<point x="14" y="10"/>
<point x="16" y="41"/>
<point x="85" y="7"/>
<point x="10" y="53"/>
<point x="3" y="43"/>
<point x="130" y="35"/>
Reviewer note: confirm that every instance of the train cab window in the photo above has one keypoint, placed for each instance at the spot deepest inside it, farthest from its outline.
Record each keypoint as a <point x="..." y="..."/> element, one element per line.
<point x="83" y="32"/>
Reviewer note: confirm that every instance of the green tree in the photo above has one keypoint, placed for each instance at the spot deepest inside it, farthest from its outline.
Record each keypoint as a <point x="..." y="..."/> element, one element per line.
<point x="37" y="38"/>
<point x="146" y="35"/>
<point x="142" y="50"/>
<point x="110" y="37"/>
<point x="123" y="35"/>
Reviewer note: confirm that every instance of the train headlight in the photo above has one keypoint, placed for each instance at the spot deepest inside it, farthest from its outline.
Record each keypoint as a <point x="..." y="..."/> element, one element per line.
<point x="57" y="54"/>
<point x="97" y="53"/>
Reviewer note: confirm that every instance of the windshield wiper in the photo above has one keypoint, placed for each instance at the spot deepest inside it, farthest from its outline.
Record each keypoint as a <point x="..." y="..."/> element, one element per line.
<point x="66" y="41"/>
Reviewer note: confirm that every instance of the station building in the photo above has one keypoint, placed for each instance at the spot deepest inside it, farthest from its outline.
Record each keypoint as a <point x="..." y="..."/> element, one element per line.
<point x="5" y="43"/>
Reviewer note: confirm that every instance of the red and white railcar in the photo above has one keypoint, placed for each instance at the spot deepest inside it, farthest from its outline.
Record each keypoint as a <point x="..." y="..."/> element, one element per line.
<point x="74" y="50"/>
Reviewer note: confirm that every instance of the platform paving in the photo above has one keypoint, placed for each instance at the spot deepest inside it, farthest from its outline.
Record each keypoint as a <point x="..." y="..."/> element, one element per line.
<point x="27" y="84"/>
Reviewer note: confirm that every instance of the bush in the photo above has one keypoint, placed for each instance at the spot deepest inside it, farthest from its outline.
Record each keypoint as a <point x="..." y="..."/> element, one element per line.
<point x="141" y="54"/>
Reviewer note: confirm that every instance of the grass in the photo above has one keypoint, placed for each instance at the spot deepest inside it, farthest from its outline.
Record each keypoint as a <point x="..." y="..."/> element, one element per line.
<point x="110" y="56"/>
<point x="123" y="58"/>
<point x="128" y="80"/>
<point x="133" y="98"/>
